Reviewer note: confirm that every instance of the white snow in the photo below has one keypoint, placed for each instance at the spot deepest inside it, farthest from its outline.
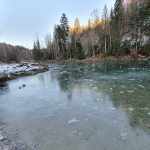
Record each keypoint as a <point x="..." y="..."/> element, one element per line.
<point x="143" y="39"/>
<point x="123" y="136"/>
<point x="121" y="92"/>
<point x="141" y="86"/>
<point x="130" y="91"/>
<point x="74" y="120"/>
<point x="113" y="108"/>
<point x="131" y="109"/>
<point x="123" y="86"/>
<point x="16" y="68"/>
<point x="97" y="99"/>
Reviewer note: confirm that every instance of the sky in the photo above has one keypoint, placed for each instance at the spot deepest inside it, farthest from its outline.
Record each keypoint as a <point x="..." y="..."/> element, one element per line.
<point x="21" y="21"/>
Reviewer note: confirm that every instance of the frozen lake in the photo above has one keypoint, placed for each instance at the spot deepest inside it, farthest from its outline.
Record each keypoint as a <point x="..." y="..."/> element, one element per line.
<point x="81" y="106"/>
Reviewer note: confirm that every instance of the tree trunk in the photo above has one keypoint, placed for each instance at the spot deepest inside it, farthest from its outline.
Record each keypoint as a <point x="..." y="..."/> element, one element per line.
<point x="105" y="45"/>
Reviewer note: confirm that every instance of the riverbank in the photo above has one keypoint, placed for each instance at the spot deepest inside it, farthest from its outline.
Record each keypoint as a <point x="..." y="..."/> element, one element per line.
<point x="10" y="141"/>
<point x="15" y="70"/>
<point x="126" y="58"/>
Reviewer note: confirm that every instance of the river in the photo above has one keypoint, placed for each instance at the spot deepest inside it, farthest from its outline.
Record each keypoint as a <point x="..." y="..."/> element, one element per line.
<point x="81" y="106"/>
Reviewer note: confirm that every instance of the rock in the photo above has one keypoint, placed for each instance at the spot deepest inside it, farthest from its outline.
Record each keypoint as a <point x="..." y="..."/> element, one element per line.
<point x="1" y="136"/>
<point x="3" y="79"/>
<point x="23" y="85"/>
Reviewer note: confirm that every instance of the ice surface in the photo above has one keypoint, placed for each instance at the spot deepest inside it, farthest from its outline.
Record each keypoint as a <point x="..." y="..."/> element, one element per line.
<point x="96" y="108"/>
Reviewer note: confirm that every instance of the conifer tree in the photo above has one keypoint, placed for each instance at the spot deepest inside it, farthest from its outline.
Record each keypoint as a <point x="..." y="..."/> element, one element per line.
<point x="77" y="26"/>
<point x="64" y="34"/>
<point x="117" y="22"/>
<point x="61" y="35"/>
<point x="105" y="22"/>
<point x="37" y="55"/>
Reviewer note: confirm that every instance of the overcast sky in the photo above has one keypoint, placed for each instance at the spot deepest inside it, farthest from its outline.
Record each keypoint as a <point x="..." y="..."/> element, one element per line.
<point x="22" y="20"/>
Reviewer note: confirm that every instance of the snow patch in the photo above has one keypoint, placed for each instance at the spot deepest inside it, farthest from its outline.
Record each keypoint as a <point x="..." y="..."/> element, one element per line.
<point x="141" y="86"/>
<point x="123" y="136"/>
<point x="131" y="109"/>
<point x="130" y="91"/>
<point x="113" y="108"/>
<point x="16" y="68"/>
<point x="74" y="120"/>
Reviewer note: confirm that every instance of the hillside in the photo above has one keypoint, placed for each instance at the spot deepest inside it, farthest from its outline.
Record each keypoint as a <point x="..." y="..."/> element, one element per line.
<point x="9" y="53"/>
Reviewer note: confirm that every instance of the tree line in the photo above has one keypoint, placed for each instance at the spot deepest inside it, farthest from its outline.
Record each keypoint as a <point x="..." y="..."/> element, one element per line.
<point x="125" y="29"/>
<point x="122" y="30"/>
<point x="9" y="53"/>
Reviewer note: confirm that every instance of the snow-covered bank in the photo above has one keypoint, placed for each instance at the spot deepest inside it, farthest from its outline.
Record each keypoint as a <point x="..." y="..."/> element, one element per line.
<point x="12" y="71"/>
<point x="10" y="142"/>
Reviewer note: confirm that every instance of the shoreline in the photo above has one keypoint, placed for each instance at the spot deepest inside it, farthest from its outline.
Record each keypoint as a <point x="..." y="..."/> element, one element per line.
<point x="42" y="66"/>
<point x="9" y="140"/>
<point x="16" y="70"/>
<point x="126" y="58"/>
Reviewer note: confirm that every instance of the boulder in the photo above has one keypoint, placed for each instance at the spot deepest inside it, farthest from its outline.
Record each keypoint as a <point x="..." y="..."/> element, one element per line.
<point x="3" y="79"/>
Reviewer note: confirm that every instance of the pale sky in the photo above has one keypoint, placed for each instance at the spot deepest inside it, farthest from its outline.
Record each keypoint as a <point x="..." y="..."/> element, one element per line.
<point x="22" y="20"/>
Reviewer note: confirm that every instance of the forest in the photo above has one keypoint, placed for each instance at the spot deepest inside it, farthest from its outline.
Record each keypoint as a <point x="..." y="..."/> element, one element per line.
<point x="123" y="30"/>
<point x="9" y="53"/>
